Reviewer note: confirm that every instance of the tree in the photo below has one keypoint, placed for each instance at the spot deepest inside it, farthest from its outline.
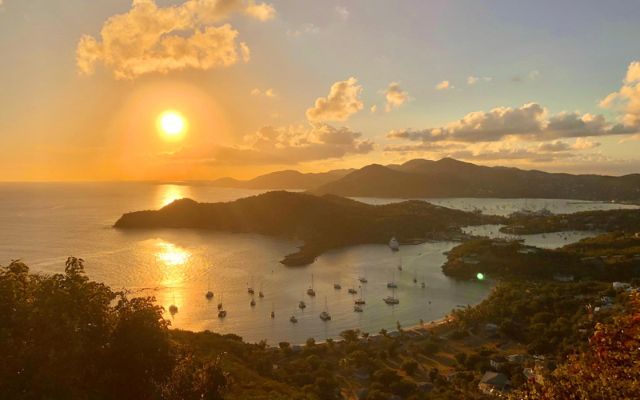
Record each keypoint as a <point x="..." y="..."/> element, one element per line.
<point x="410" y="367"/>
<point x="607" y="370"/>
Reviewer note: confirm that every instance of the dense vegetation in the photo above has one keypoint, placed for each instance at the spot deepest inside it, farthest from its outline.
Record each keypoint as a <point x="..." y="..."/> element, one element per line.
<point x="64" y="336"/>
<point x="609" y="257"/>
<point x="321" y="222"/>
<point x="611" y="220"/>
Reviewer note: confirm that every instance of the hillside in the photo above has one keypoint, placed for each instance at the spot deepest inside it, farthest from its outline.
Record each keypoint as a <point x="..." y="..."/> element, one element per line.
<point x="321" y="222"/>
<point x="284" y="180"/>
<point x="452" y="178"/>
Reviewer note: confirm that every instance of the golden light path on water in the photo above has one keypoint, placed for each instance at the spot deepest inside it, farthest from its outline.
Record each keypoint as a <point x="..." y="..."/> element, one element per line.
<point x="171" y="260"/>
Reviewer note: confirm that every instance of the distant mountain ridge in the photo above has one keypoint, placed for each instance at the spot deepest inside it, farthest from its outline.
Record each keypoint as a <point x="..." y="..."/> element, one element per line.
<point x="420" y="178"/>
<point x="451" y="178"/>
<point x="288" y="179"/>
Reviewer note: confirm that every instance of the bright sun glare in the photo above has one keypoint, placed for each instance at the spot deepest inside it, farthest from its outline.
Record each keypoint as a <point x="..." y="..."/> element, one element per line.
<point x="172" y="124"/>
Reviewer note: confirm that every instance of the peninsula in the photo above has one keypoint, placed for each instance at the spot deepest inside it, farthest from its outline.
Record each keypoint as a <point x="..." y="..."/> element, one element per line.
<point x="321" y="222"/>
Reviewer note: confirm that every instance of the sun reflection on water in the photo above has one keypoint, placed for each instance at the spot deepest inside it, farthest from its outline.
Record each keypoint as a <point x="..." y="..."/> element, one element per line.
<point x="170" y="260"/>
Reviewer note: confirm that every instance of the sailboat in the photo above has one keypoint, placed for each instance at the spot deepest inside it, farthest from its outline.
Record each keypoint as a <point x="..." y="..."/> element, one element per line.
<point x="415" y="277"/>
<point x="311" y="292"/>
<point x="363" y="278"/>
<point x="293" y="319"/>
<point x="392" y="300"/>
<point x="392" y="284"/>
<point x="337" y="286"/>
<point x="360" y="301"/>
<point x="222" y="314"/>
<point x="302" y="305"/>
<point x="250" y="288"/>
<point x="273" y="313"/>
<point x="352" y="290"/>
<point x="358" y="308"/>
<point x="253" y="302"/>
<point x="324" y="315"/>
<point x="394" y="244"/>
<point x="400" y="266"/>
<point x="209" y="294"/>
<point x="260" y="293"/>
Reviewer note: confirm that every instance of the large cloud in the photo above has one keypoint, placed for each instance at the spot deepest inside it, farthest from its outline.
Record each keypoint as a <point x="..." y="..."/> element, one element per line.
<point x="342" y="102"/>
<point x="150" y="39"/>
<point x="395" y="96"/>
<point x="627" y="99"/>
<point x="283" y="145"/>
<point x="530" y="122"/>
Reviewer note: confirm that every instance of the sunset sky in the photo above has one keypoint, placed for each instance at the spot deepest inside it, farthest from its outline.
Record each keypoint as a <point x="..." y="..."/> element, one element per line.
<point x="314" y="85"/>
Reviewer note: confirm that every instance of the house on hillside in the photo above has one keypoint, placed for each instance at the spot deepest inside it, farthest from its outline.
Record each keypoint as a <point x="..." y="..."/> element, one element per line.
<point x="494" y="383"/>
<point x="563" y="278"/>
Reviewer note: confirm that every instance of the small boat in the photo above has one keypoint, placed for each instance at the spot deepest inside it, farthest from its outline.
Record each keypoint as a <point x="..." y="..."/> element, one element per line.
<point x="352" y="291"/>
<point x="358" y="308"/>
<point x="273" y="314"/>
<point x="415" y="277"/>
<point x="360" y="301"/>
<point x="253" y="303"/>
<point x="220" y="304"/>
<point x="399" y="267"/>
<point x="394" y="244"/>
<point x="337" y="286"/>
<point x="325" y="316"/>
<point x="362" y="279"/>
<point x="392" y="284"/>
<point x="302" y="305"/>
<point x="250" y="288"/>
<point x="423" y="285"/>
<point x="260" y="293"/>
<point x="293" y="319"/>
<point x="311" y="292"/>
<point x="392" y="300"/>
<point x="222" y="314"/>
<point x="209" y="295"/>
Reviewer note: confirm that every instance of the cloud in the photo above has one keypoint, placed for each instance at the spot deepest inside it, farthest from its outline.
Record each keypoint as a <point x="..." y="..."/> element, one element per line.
<point x="266" y="93"/>
<point x="472" y="80"/>
<point x="306" y="29"/>
<point x="151" y="39"/>
<point x="282" y="145"/>
<point x="532" y="76"/>
<point x="343" y="13"/>
<point x="342" y="102"/>
<point x="444" y="85"/>
<point x="627" y="99"/>
<point x="530" y="122"/>
<point x="261" y="12"/>
<point x="395" y="96"/>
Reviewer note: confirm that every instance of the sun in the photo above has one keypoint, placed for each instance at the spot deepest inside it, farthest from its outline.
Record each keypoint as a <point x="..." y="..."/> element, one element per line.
<point x="172" y="124"/>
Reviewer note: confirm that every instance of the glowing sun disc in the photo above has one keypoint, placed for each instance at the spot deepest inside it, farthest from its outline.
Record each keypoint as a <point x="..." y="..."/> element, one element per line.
<point x="172" y="123"/>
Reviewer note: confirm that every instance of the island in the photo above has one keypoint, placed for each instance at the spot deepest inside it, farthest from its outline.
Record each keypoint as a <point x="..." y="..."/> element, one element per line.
<point x="321" y="222"/>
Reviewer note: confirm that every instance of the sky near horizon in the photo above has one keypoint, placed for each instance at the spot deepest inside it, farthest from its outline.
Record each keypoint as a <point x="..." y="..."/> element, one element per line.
<point x="315" y="85"/>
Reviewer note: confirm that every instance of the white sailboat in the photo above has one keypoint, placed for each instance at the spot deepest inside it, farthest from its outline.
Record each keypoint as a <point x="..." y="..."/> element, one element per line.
<point x="394" y="244"/>
<point x="360" y="301"/>
<point x="324" y="315"/>
<point x="392" y="284"/>
<point x="311" y="292"/>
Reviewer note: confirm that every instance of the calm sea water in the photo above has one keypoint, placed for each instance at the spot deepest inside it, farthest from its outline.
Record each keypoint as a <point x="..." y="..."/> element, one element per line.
<point x="42" y="224"/>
